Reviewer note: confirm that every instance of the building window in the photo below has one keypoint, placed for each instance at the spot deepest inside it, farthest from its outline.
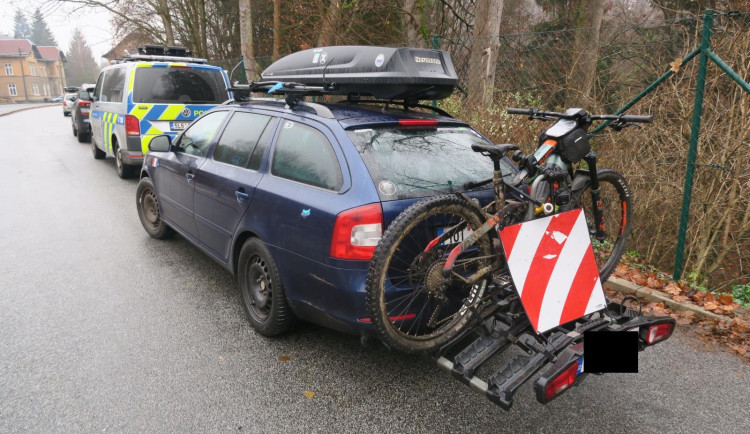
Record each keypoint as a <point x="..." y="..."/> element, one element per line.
<point x="8" y="69"/>
<point x="35" y="89"/>
<point x="42" y="70"/>
<point x="46" y="90"/>
<point x="12" y="89"/>
<point x="32" y="69"/>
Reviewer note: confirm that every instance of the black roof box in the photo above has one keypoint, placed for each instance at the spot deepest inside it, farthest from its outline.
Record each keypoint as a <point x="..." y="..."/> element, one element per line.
<point x="380" y="72"/>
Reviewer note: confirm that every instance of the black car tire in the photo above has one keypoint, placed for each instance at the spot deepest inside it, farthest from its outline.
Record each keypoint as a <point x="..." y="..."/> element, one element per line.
<point x="98" y="153"/>
<point x="147" y="204"/>
<point x="262" y="291"/>
<point x="124" y="171"/>
<point x="83" y="137"/>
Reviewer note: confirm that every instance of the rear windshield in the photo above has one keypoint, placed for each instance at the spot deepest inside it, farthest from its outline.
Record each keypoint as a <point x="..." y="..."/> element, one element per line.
<point x="409" y="163"/>
<point x="179" y="86"/>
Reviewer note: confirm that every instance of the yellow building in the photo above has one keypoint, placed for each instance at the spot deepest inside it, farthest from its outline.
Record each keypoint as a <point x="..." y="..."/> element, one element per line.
<point x="29" y="72"/>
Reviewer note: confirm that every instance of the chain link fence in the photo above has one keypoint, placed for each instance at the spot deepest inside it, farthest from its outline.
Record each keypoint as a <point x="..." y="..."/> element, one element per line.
<point x="544" y="70"/>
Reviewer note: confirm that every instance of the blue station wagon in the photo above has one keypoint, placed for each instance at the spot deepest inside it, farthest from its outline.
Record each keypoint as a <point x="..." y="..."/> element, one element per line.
<point x="293" y="198"/>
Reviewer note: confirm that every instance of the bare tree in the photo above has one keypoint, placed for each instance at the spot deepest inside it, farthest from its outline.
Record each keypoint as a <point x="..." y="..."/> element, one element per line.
<point x="484" y="46"/>
<point x="246" y="38"/>
<point x="330" y="23"/>
<point x="276" y="29"/>
<point x="585" y="50"/>
<point x="412" y="19"/>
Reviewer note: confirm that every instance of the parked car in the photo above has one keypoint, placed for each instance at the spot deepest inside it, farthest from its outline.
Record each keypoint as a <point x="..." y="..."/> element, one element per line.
<point x="67" y="103"/>
<point x="292" y="197"/>
<point x="148" y="95"/>
<point x="57" y="99"/>
<point x="79" y="118"/>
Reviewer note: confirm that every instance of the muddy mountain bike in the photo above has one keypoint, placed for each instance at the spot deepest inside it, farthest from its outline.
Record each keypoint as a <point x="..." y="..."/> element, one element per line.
<point x="440" y="269"/>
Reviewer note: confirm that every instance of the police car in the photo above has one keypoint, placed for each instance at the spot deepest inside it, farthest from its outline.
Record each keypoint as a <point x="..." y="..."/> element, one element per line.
<point x="157" y="91"/>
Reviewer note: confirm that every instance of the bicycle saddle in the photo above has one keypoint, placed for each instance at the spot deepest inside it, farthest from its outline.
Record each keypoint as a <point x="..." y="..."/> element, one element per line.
<point x="494" y="150"/>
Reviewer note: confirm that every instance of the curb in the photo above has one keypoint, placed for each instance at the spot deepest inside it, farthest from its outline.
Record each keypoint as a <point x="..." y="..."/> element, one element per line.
<point x="28" y="108"/>
<point x="624" y="286"/>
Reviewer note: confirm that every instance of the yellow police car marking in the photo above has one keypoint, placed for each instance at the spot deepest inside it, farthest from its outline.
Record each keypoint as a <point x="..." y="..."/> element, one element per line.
<point x="172" y="112"/>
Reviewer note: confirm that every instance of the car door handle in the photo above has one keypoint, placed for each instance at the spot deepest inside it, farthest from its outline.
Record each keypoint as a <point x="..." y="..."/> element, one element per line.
<point x="190" y="176"/>
<point x="241" y="196"/>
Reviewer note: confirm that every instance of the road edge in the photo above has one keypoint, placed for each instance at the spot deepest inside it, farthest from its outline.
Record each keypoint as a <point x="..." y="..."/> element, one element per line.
<point x="28" y="108"/>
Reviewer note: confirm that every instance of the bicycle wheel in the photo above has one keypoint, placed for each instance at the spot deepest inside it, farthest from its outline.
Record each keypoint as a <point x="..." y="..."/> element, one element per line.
<point x="412" y="306"/>
<point x="616" y="204"/>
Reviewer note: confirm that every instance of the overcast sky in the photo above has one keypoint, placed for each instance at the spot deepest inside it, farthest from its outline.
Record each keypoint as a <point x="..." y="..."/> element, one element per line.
<point x="62" y="20"/>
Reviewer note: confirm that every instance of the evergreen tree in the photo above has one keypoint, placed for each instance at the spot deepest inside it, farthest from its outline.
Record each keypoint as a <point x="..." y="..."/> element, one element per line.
<point x="81" y="67"/>
<point x="21" y="29"/>
<point x="40" y="33"/>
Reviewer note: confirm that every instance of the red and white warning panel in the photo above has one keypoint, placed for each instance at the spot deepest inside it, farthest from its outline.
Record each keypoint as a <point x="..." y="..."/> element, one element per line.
<point x="553" y="268"/>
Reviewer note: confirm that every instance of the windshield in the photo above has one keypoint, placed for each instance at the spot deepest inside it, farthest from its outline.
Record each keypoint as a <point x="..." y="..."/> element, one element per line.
<point x="409" y="163"/>
<point x="179" y="86"/>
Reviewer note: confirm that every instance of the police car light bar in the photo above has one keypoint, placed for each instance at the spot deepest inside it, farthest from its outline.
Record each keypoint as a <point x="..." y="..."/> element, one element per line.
<point x="155" y="58"/>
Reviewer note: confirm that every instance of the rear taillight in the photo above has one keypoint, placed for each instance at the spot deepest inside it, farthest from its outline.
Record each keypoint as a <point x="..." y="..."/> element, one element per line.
<point x="561" y="382"/>
<point x="562" y="375"/>
<point x="82" y="103"/>
<point x="657" y="332"/>
<point x="132" y="126"/>
<point x="357" y="232"/>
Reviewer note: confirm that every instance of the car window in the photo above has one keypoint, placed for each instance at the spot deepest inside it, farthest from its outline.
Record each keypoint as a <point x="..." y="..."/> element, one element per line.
<point x="409" y="162"/>
<point x="260" y="149"/>
<point x="98" y="89"/>
<point x="197" y="138"/>
<point x="304" y="154"/>
<point x="240" y="137"/>
<point x="114" y="84"/>
<point x="179" y="86"/>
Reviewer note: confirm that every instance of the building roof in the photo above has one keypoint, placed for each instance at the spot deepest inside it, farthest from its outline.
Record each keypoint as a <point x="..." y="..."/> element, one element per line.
<point x="11" y="46"/>
<point x="51" y="53"/>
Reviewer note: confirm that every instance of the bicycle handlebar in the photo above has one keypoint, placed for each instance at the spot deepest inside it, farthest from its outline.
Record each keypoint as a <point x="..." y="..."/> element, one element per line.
<point x="617" y="118"/>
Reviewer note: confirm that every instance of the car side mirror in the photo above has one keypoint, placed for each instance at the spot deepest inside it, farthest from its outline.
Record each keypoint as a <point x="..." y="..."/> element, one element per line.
<point x="160" y="143"/>
<point x="74" y="99"/>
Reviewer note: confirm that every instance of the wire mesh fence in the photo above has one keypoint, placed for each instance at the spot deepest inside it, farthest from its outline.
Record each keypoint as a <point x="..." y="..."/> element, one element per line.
<point x="553" y="70"/>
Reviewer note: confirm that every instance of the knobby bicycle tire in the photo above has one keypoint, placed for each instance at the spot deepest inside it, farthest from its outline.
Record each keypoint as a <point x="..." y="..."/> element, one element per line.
<point x="412" y="306"/>
<point x="617" y="206"/>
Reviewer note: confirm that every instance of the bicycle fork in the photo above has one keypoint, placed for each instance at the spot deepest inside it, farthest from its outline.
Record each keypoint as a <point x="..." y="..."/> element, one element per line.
<point x="596" y="199"/>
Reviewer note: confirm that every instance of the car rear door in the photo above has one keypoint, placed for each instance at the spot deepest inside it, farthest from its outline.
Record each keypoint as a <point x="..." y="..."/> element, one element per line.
<point x="225" y="183"/>
<point x="303" y="195"/>
<point x="175" y="181"/>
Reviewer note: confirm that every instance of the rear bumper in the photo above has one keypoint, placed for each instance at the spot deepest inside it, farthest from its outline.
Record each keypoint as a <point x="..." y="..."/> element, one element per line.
<point x="131" y="158"/>
<point x="330" y="296"/>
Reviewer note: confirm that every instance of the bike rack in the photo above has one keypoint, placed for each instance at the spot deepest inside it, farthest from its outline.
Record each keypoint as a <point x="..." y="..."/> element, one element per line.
<point x="557" y="349"/>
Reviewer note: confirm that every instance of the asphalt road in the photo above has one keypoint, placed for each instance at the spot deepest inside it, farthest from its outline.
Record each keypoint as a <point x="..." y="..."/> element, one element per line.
<point x="105" y="329"/>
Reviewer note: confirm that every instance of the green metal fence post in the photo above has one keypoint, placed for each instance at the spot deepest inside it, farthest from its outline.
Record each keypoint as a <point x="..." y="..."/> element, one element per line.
<point x="435" y="47"/>
<point x="693" y="149"/>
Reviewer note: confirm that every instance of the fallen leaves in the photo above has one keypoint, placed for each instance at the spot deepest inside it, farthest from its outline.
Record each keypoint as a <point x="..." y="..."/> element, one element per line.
<point x="725" y="299"/>
<point x="673" y="289"/>
<point x="309" y="394"/>
<point x="732" y="333"/>
<point x="675" y="66"/>
<point x="284" y="358"/>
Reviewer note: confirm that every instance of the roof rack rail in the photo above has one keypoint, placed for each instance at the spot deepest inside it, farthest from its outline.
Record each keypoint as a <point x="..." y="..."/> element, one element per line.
<point x="242" y="93"/>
